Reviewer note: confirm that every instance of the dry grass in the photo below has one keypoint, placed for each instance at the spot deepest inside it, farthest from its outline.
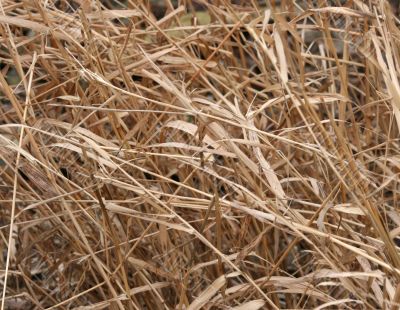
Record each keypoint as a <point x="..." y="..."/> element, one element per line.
<point x="201" y="155"/>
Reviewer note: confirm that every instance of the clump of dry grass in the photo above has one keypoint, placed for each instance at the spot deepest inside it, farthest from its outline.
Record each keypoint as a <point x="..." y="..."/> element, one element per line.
<point x="197" y="155"/>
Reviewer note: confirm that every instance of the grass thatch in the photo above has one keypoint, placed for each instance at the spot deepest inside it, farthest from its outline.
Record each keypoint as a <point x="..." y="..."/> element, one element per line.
<point x="201" y="154"/>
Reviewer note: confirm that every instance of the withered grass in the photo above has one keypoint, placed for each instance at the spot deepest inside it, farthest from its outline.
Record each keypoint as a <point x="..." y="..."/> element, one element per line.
<point x="199" y="155"/>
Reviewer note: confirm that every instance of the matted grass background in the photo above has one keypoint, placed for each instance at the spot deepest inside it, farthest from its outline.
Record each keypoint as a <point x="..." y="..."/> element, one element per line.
<point x="199" y="155"/>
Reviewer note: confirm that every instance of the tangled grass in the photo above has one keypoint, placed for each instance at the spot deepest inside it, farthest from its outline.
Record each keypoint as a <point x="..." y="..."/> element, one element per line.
<point x="199" y="154"/>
